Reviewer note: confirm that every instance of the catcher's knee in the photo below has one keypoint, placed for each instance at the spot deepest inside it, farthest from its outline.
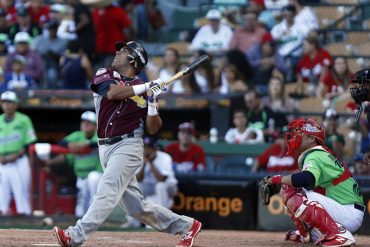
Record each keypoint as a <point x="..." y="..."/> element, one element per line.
<point x="294" y="200"/>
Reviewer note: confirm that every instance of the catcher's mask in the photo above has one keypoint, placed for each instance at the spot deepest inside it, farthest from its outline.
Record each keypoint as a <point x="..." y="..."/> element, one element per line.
<point x="137" y="54"/>
<point x="360" y="93"/>
<point x="299" y="127"/>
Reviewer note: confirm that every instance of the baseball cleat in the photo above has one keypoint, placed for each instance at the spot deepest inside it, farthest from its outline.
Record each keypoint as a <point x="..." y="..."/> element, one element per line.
<point x="338" y="240"/>
<point x="62" y="236"/>
<point x="188" y="239"/>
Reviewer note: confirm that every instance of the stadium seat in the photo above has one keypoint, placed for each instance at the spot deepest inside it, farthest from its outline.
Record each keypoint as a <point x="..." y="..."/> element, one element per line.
<point x="364" y="49"/>
<point x="327" y="15"/>
<point x="355" y="64"/>
<point x="358" y="37"/>
<point x="343" y="1"/>
<point x="233" y="165"/>
<point x="339" y="49"/>
<point x="311" y="104"/>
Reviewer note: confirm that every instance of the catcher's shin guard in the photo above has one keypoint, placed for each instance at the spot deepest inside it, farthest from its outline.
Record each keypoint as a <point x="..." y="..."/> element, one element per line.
<point x="313" y="214"/>
<point x="301" y="235"/>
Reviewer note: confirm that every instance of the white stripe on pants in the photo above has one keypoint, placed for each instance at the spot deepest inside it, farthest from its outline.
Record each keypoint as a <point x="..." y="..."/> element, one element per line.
<point x="118" y="185"/>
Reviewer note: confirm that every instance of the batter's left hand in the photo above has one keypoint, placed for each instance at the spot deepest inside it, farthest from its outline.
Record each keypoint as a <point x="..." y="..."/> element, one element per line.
<point x="158" y="83"/>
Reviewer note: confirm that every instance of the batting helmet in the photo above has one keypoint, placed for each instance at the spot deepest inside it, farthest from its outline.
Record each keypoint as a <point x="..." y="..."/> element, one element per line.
<point x="299" y="127"/>
<point x="137" y="54"/>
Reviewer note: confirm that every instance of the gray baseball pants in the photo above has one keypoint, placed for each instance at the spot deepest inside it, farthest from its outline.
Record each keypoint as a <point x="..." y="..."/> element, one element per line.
<point x="118" y="185"/>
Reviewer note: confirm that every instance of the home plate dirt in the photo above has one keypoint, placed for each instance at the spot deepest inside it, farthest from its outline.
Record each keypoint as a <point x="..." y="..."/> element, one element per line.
<point x="29" y="238"/>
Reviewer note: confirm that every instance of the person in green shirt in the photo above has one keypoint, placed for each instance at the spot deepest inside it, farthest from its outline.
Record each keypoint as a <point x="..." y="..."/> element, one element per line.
<point x="16" y="133"/>
<point x="323" y="199"/>
<point x="86" y="165"/>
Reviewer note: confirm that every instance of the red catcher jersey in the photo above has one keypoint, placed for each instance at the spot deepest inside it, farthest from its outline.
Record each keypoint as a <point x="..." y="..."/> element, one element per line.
<point x="193" y="159"/>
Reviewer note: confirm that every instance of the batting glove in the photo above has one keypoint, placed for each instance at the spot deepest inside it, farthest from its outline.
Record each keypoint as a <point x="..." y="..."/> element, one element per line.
<point x="158" y="83"/>
<point x="154" y="97"/>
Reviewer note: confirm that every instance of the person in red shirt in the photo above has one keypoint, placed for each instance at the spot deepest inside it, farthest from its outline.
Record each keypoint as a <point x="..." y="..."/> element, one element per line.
<point x="39" y="12"/>
<point x="336" y="80"/>
<point x="109" y="23"/>
<point x="314" y="63"/>
<point x="275" y="158"/>
<point x="187" y="156"/>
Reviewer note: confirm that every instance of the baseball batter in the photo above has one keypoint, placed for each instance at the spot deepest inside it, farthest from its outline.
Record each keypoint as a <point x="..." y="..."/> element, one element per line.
<point x="123" y="110"/>
<point x="16" y="133"/>
<point x="323" y="200"/>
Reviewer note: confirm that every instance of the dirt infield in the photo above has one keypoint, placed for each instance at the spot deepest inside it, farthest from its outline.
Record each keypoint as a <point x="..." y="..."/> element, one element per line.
<point x="29" y="238"/>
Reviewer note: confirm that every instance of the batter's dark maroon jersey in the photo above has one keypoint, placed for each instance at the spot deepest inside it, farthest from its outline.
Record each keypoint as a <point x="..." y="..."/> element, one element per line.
<point x="118" y="117"/>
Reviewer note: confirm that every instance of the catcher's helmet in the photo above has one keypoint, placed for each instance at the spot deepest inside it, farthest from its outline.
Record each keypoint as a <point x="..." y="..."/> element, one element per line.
<point x="137" y="54"/>
<point x="360" y="92"/>
<point x="299" y="127"/>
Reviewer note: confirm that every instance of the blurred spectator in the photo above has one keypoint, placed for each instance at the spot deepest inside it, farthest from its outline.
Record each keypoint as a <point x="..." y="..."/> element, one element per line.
<point x="171" y="63"/>
<point x="156" y="177"/>
<point x="265" y="16"/>
<point x="86" y="165"/>
<point x="75" y="67"/>
<point x="239" y="61"/>
<point x="259" y="115"/>
<point x="84" y="26"/>
<point x="214" y="37"/>
<point x="334" y="140"/>
<point x="67" y="26"/>
<point x="39" y="12"/>
<point x="4" y="41"/>
<point x="16" y="133"/>
<point x="360" y="168"/>
<point x="17" y="79"/>
<point x="233" y="81"/>
<point x="314" y="63"/>
<point x="24" y="24"/>
<point x="51" y="48"/>
<point x="186" y="155"/>
<point x="10" y="10"/>
<point x="248" y="35"/>
<point x="276" y="98"/>
<point x="109" y="22"/>
<point x="34" y="64"/>
<point x="204" y="75"/>
<point x="264" y="58"/>
<point x="289" y="37"/>
<point x="188" y="82"/>
<point x="156" y="20"/>
<point x="275" y="158"/>
<point x="241" y="133"/>
<point x="305" y="18"/>
<point x="141" y="19"/>
<point x="4" y="27"/>
<point x="336" y="80"/>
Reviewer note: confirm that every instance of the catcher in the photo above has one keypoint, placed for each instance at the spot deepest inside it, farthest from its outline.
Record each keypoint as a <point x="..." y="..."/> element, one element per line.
<point x="323" y="199"/>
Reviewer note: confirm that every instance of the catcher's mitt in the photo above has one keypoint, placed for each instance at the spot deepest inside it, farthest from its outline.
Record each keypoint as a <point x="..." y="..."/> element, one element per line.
<point x="267" y="190"/>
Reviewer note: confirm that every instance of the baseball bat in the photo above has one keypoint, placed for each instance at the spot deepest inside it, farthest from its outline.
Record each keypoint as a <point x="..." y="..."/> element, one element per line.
<point x="186" y="70"/>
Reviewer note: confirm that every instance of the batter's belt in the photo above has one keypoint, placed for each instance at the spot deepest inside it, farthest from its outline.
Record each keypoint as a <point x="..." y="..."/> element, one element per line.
<point x="115" y="139"/>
